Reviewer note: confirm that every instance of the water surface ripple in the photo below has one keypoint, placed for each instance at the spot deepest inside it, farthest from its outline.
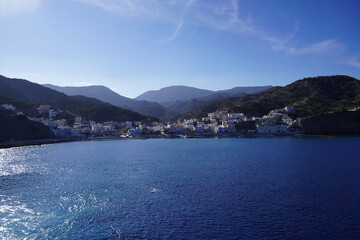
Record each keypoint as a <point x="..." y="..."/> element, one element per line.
<point x="261" y="188"/>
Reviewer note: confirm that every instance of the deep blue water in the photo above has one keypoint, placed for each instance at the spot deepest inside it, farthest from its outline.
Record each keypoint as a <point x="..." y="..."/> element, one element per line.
<point x="235" y="188"/>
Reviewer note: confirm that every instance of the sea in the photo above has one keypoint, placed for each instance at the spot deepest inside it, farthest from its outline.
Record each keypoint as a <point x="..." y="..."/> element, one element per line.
<point x="209" y="188"/>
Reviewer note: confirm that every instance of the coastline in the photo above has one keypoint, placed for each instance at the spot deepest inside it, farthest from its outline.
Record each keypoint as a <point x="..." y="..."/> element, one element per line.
<point x="37" y="142"/>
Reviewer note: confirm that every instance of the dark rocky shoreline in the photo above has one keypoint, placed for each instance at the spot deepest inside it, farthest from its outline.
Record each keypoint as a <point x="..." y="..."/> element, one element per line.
<point x="38" y="142"/>
<point x="22" y="143"/>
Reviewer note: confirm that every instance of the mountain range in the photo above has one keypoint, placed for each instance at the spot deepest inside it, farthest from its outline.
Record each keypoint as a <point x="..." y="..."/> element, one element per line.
<point x="13" y="127"/>
<point x="309" y="96"/>
<point x="26" y="96"/>
<point x="323" y="99"/>
<point x="180" y="106"/>
<point x="173" y="93"/>
<point x="164" y="103"/>
<point x="107" y="95"/>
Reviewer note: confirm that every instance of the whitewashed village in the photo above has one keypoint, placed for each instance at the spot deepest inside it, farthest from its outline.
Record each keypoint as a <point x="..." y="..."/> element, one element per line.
<point x="217" y="124"/>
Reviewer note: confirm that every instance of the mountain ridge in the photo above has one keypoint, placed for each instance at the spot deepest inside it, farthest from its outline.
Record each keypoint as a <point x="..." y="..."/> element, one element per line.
<point x="173" y="93"/>
<point x="107" y="95"/>
<point x="90" y="108"/>
<point x="309" y="96"/>
<point x="185" y="106"/>
<point x="163" y="110"/>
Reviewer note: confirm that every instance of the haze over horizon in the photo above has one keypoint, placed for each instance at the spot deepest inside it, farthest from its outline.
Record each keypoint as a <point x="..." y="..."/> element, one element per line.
<point x="136" y="46"/>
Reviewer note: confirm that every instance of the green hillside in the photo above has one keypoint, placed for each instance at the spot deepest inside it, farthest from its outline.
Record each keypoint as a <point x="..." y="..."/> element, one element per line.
<point x="107" y="95"/>
<point x="89" y="108"/>
<point x="344" y="123"/>
<point x="309" y="96"/>
<point x="17" y="128"/>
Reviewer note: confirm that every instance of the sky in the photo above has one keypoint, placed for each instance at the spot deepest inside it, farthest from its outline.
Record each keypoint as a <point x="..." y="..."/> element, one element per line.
<point x="133" y="46"/>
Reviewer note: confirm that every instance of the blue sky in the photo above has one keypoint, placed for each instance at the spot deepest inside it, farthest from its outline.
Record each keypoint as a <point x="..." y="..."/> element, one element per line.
<point x="139" y="45"/>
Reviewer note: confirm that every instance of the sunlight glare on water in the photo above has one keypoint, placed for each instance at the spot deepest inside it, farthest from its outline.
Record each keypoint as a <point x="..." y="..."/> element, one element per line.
<point x="266" y="188"/>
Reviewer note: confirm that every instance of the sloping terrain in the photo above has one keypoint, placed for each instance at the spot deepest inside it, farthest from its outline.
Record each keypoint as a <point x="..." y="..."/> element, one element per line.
<point x="89" y="108"/>
<point x="18" y="128"/>
<point x="105" y="94"/>
<point x="173" y="93"/>
<point x="309" y="96"/>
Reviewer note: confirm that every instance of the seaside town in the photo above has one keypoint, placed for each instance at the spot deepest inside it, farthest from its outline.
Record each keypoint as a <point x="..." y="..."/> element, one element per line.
<point x="217" y="124"/>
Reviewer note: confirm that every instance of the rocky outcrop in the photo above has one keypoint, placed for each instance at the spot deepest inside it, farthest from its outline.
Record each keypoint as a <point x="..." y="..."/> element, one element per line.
<point x="343" y="123"/>
<point x="17" y="128"/>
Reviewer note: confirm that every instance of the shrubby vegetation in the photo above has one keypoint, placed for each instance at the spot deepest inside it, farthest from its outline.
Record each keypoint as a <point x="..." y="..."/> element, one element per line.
<point x="34" y="94"/>
<point x="309" y="96"/>
<point x="17" y="128"/>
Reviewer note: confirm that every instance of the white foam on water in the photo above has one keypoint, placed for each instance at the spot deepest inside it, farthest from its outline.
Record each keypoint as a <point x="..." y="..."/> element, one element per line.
<point x="154" y="190"/>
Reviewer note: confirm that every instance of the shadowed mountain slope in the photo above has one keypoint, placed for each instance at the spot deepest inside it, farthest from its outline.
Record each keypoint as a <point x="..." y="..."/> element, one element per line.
<point x="186" y="106"/>
<point x="17" y="128"/>
<point x="107" y="95"/>
<point x="309" y="96"/>
<point x="89" y="108"/>
<point x="173" y="93"/>
<point x="181" y="99"/>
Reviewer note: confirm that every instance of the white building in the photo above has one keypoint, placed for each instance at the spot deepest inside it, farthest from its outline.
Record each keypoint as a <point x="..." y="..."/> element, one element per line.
<point x="61" y="123"/>
<point x="52" y="113"/>
<point x="43" y="108"/>
<point x="96" y="127"/>
<point x="235" y="116"/>
<point x="113" y="125"/>
<point x="128" y="124"/>
<point x="76" y="132"/>
<point x="134" y="131"/>
<point x="271" y="129"/>
<point x="8" y="107"/>
<point x="231" y="128"/>
<point x="221" y="129"/>
<point x="40" y="120"/>
<point x="50" y="123"/>
<point x="78" y="123"/>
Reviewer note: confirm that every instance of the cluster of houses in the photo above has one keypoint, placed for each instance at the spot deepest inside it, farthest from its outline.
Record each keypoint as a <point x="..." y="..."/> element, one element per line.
<point x="11" y="107"/>
<point x="220" y="123"/>
<point x="223" y="123"/>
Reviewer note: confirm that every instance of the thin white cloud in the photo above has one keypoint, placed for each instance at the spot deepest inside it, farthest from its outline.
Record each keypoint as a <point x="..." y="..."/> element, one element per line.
<point x="324" y="48"/>
<point x="355" y="63"/>
<point x="149" y="9"/>
<point x="176" y="32"/>
<point x="188" y="4"/>
<point x="82" y="84"/>
<point x="329" y="51"/>
<point x="280" y="43"/>
<point x="219" y="15"/>
<point x="10" y="7"/>
<point x="350" y="61"/>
